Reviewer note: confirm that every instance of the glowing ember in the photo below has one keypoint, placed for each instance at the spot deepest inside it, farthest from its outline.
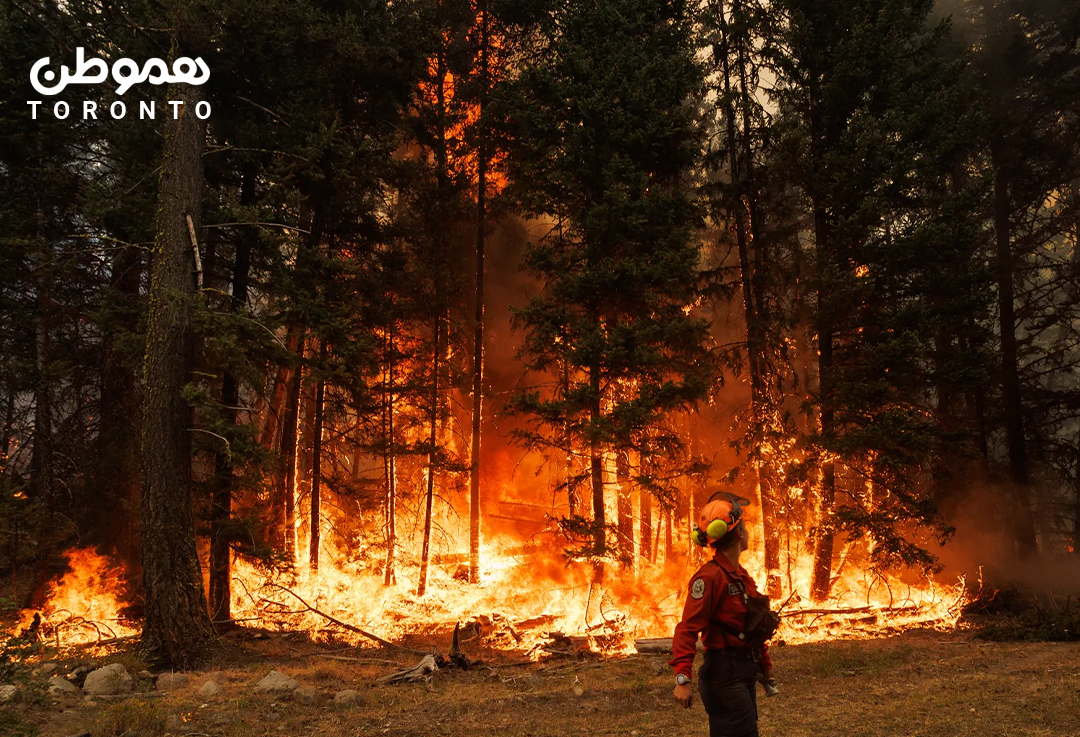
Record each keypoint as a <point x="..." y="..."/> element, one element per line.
<point x="85" y="604"/>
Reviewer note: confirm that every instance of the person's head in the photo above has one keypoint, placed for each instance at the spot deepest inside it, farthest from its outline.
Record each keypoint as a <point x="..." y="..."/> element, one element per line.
<point x="735" y="539"/>
<point x="720" y="525"/>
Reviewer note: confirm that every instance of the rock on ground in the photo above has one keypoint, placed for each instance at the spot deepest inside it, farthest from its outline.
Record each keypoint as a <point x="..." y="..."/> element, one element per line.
<point x="108" y="681"/>
<point x="61" y="686"/>
<point x="348" y="697"/>
<point x="276" y="682"/>
<point x="45" y="670"/>
<point x="8" y="693"/>
<point x="173" y="681"/>
<point x="211" y="689"/>
<point x="307" y="695"/>
<point x="175" y="723"/>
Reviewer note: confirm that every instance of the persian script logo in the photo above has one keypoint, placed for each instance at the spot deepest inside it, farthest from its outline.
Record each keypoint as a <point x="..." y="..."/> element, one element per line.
<point x="126" y="73"/>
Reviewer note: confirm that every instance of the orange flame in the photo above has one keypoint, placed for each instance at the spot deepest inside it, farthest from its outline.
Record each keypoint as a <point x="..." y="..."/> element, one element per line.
<point x="85" y="604"/>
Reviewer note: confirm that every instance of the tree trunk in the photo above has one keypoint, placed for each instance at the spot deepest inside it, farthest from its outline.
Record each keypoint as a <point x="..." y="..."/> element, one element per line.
<point x="275" y="411"/>
<point x="314" y="518"/>
<point x="9" y="421"/>
<point x="177" y="630"/>
<point x="1076" y="502"/>
<point x="743" y="203"/>
<point x="478" y="318"/>
<point x="273" y="438"/>
<point x="221" y="502"/>
<point x="1023" y="526"/>
<point x="647" y="548"/>
<point x="41" y="455"/>
<point x="821" y="583"/>
<point x="425" y="552"/>
<point x="624" y="509"/>
<point x="669" y="548"/>
<point x="572" y="501"/>
<point x="289" y="433"/>
<point x="389" y="575"/>
<point x="596" y="468"/>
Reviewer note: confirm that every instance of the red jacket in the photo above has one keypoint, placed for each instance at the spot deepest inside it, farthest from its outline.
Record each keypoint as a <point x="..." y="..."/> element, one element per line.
<point x="715" y="595"/>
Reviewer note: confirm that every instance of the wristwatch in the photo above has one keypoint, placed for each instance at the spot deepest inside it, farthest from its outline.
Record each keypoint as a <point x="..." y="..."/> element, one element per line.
<point x="682" y="680"/>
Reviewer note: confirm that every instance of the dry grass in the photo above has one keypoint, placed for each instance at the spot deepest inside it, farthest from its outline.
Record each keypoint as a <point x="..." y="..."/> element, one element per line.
<point x="917" y="684"/>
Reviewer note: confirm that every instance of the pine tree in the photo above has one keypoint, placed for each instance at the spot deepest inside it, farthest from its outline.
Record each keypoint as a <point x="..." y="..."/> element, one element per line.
<point x="865" y="98"/>
<point x="604" y="141"/>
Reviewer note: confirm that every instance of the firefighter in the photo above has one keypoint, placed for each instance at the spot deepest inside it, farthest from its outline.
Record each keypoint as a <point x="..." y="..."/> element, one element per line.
<point x="716" y="606"/>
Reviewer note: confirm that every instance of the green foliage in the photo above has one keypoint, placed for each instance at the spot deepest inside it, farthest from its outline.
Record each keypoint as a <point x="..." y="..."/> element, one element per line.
<point x="603" y="140"/>
<point x="878" y="138"/>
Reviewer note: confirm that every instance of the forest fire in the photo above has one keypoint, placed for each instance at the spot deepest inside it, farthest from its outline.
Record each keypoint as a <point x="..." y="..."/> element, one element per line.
<point x="529" y="601"/>
<point x="85" y="605"/>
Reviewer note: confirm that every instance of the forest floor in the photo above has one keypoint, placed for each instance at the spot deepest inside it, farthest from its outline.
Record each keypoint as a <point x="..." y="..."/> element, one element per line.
<point x="918" y="683"/>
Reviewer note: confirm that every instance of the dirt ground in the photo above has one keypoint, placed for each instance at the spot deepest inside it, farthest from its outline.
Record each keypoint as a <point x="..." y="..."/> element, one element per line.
<point x="918" y="683"/>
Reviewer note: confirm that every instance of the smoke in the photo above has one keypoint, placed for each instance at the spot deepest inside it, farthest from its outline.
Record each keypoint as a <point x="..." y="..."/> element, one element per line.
<point x="984" y="545"/>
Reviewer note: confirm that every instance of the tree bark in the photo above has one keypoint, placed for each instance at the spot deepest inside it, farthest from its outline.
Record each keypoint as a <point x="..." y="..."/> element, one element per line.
<point x="177" y="631"/>
<point x="389" y="575"/>
<point x="821" y="582"/>
<point x="478" y="318"/>
<point x="425" y="552"/>
<point x="289" y="434"/>
<point x="646" y="549"/>
<point x="624" y="508"/>
<point x="314" y="518"/>
<point x="596" y="468"/>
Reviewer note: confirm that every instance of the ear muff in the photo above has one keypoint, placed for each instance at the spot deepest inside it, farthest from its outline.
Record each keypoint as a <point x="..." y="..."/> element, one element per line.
<point x="698" y="537"/>
<point x="717" y="529"/>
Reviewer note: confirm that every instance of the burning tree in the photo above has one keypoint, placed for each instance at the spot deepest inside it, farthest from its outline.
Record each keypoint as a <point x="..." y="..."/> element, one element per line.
<point x="604" y="144"/>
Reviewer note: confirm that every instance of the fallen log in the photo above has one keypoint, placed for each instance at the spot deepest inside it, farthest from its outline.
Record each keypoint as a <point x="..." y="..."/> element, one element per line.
<point x="658" y="645"/>
<point x="422" y="671"/>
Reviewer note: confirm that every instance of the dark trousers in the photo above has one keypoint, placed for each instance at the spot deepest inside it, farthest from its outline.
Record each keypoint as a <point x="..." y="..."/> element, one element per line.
<point x="726" y="683"/>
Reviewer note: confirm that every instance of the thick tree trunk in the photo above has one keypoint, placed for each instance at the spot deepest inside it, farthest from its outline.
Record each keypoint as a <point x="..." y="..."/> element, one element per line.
<point x="222" y="499"/>
<point x="177" y="630"/>
<point x="1023" y="526"/>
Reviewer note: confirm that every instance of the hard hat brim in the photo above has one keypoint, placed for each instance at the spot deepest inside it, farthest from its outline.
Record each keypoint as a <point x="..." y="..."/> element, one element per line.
<point x="727" y="496"/>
